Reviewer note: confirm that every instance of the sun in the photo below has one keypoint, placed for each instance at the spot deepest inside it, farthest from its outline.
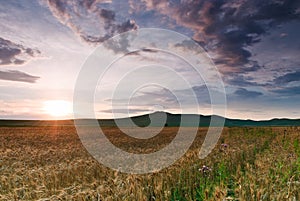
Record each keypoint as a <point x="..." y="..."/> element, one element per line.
<point x="58" y="108"/>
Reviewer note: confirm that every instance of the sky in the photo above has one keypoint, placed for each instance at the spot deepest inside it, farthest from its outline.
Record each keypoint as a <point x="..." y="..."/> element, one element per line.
<point x="253" y="44"/>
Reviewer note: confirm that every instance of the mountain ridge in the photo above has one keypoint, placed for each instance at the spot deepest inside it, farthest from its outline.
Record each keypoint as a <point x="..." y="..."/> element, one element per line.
<point x="172" y="120"/>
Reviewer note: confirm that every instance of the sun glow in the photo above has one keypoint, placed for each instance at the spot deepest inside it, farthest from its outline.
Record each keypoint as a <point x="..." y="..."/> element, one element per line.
<point x="58" y="108"/>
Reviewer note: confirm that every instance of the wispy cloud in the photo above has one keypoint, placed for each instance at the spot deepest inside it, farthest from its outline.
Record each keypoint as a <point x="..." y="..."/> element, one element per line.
<point x="288" y="91"/>
<point x="240" y="80"/>
<point x="126" y="111"/>
<point x="15" y="54"/>
<point x="14" y="75"/>
<point x="89" y="19"/>
<point x="287" y="78"/>
<point x="245" y="93"/>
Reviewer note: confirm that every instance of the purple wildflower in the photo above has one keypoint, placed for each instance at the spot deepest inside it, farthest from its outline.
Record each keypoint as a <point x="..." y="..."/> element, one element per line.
<point x="205" y="169"/>
<point x="224" y="145"/>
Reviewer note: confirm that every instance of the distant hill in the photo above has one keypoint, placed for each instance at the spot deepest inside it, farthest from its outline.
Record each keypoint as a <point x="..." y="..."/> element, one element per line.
<point x="173" y="120"/>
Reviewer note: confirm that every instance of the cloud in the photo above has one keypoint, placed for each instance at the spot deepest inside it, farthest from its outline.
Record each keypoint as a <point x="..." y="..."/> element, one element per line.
<point x="120" y="46"/>
<point x="240" y="80"/>
<point x="168" y="99"/>
<point x="227" y="28"/>
<point x="14" y="75"/>
<point x="126" y="111"/>
<point x="25" y="109"/>
<point x="288" y="91"/>
<point x="244" y="93"/>
<point x="287" y="78"/>
<point x="148" y="98"/>
<point x="15" y="54"/>
<point x="89" y="19"/>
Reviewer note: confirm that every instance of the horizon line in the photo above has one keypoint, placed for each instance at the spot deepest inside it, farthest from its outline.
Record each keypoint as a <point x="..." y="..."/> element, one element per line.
<point x="134" y="116"/>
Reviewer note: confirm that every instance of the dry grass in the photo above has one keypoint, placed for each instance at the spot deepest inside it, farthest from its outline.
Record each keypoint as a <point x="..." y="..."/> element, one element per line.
<point x="49" y="163"/>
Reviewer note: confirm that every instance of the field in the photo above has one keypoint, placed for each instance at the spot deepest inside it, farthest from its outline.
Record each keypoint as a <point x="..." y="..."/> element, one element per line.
<point x="249" y="163"/>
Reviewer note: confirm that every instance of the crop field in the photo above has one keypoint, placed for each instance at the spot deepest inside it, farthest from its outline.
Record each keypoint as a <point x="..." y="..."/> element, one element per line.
<point x="248" y="163"/>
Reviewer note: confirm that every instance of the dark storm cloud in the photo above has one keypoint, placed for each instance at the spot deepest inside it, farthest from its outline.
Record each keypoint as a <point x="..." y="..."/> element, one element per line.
<point x="244" y="93"/>
<point x="14" y="75"/>
<point x="15" y="54"/>
<point x="89" y="20"/>
<point x="228" y="27"/>
<point x="287" y="78"/>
